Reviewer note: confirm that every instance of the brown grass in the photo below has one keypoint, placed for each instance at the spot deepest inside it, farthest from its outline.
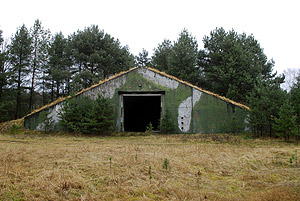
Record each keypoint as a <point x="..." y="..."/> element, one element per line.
<point x="202" y="167"/>
<point x="9" y="125"/>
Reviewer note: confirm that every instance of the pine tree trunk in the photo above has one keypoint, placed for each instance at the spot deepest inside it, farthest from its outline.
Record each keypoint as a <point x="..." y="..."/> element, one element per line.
<point x="18" y="95"/>
<point x="270" y="129"/>
<point x="57" y="90"/>
<point x="52" y="91"/>
<point x="1" y="89"/>
<point x="2" y="82"/>
<point x="43" y="86"/>
<point x="32" y="89"/>
<point x="68" y="82"/>
<point x="33" y="77"/>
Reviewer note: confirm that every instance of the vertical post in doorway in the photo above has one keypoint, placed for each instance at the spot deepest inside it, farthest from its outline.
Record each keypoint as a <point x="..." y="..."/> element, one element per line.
<point x="122" y="114"/>
<point x="161" y="110"/>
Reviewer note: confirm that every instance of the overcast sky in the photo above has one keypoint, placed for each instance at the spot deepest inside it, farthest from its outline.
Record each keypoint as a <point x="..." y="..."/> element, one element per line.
<point x="144" y="24"/>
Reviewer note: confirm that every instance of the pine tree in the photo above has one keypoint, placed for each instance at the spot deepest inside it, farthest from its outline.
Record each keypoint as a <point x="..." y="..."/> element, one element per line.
<point x="183" y="61"/>
<point x="161" y="56"/>
<point x="265" y="100"/>
<point x="7" y="103"/>
<point x="286" y="123"/>
<point x="295" y="100"/>
<point x="40" y="42"/>
<point x="180" y="58"/>
<point x="232" y="62"/>
<point x="58" y="63"/>
<point x="98" y="55"/>
<point x="142" y="60"/>
<point x="83" y="115"/>
<point x="3" y="66"/>
<point x="20" y="57"/>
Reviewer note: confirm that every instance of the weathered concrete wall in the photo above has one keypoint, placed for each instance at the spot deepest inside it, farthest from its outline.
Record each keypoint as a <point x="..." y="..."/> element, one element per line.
<point x="185" y="111"/>
<point x="193" y="111"/>
<point x="106" y="89"/>
<point x="212" y="115"/>
<point x="158" y="79"/>
<point x="34" y="121"/>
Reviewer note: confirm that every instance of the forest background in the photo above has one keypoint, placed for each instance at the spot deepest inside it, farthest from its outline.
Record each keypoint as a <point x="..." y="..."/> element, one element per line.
<point x="37" y="67"/>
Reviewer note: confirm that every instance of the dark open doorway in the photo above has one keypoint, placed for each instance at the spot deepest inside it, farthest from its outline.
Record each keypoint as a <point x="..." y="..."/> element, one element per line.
<point x="140" y="110"/>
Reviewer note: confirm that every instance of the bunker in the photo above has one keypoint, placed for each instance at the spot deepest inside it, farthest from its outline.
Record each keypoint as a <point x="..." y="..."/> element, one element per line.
<point x="141" y="96"/>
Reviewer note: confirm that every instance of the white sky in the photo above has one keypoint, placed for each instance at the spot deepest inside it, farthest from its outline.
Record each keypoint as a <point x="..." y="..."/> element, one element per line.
<point x="144" y="24"/>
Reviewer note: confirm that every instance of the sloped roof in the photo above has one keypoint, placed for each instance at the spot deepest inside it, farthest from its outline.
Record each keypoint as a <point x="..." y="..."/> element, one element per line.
<point x="80" y="92"/>
<point x="198" y="88"/>
<point x="131" y="69"/>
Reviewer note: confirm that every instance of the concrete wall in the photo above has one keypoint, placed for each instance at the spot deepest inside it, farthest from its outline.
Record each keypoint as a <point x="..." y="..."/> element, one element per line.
<point x="193" y="111"/>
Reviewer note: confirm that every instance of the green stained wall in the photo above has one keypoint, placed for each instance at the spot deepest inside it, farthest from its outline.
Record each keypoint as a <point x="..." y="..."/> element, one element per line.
<point x="171" y="99"/>
<point x="33" y="121"/>
<point x="207" y="115"/>
<point x="212" y="115"/>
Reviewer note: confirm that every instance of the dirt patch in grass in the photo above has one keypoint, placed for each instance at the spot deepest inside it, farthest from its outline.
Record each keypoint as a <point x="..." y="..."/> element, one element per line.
<point x="200" y="167"/>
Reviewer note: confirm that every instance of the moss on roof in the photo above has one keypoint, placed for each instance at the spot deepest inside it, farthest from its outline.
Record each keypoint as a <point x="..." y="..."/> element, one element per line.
<point x="198" y="88"/>
<point x="131" y="69"/>
<point x="80" y="92"/>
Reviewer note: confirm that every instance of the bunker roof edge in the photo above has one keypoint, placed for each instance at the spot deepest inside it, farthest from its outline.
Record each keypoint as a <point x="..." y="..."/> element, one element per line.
<point x="59" y="100"/>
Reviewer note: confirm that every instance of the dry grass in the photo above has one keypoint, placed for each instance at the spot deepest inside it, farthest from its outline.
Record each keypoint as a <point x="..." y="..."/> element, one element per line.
<point x="10" y="125"/>
<point x="202" y="167"/>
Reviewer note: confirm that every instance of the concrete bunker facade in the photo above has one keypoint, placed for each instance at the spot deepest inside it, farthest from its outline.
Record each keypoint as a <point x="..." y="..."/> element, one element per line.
<point x="143" y="95"/>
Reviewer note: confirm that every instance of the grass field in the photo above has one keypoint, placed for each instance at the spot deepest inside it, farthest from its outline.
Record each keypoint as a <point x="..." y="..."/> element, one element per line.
<point x="36" y="166"/>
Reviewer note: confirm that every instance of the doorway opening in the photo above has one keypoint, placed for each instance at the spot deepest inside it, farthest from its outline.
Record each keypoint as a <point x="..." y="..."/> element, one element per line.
<point x="140" y="110"/>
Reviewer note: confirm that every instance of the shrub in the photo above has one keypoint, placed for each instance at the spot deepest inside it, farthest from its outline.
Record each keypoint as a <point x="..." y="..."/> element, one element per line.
<point x="234" y="125"/>
<point x="149" y="128"/>
<point x="286" y="124"/>
<point x="167" y="123"/>
<point x="14" y="129"/>
<point x="166" y="164"/>
<point x="84" y="115"/>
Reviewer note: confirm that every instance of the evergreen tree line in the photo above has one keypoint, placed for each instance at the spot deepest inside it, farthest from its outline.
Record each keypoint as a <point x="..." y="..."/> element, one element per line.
<point x="233" y="65"/>
<point x="37" y="68"/>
